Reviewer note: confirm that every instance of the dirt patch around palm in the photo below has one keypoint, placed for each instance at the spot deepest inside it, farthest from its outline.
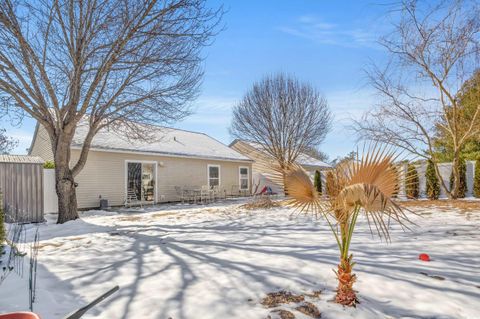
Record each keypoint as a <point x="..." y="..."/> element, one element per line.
<point x="309" y="309"/>
<point x="274" y="299"/>
<point x="292" y="302"/>
<point x="282" y="314"/>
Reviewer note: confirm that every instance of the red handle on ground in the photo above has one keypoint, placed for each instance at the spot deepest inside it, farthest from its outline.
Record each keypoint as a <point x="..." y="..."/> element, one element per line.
<point x="19" y="315"/>
<point x="424" y="257"/>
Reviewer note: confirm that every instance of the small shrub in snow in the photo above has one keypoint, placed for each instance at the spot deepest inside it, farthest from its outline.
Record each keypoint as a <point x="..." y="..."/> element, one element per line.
<point x="317" y="182"/>
<point x="412" y="182"/>
<point x="462" y="168"/>
<point x="476" y="179"/>
<point x="432" y="185"/>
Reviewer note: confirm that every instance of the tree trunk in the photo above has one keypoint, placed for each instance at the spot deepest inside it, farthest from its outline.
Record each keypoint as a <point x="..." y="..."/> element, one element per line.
<point x="345" y="294"/>
<point x="64" y="182"/>
<point x="456" y="177"/>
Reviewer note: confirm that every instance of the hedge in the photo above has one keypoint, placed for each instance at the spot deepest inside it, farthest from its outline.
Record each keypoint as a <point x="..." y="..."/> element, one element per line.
<point x="432" y="184"/>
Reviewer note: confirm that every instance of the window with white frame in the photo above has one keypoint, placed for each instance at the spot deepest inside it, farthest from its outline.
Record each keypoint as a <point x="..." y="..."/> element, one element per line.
<point x="213" y="175"/>
<point x="244" y="178"/>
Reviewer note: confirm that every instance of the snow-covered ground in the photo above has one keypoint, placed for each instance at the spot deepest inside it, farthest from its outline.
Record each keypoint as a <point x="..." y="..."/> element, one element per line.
<point x="219" y="261"/>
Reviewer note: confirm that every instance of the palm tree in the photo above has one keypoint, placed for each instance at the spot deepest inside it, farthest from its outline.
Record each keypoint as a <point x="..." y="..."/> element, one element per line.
<point x="363" y="186"/>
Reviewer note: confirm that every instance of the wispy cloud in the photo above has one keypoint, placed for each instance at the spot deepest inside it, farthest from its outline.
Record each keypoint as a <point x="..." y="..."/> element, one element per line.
<point x="315" y="29"/>
<point x="23" y="137"/>
<point x="211" y="110"/>
<point x="214" y="103"/>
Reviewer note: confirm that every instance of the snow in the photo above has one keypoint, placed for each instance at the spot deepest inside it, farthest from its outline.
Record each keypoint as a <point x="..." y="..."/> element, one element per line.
<point x="161" y="140"/>
<point x="219" y="261"/>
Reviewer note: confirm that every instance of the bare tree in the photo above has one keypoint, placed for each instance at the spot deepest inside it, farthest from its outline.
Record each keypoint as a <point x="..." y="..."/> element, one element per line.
<point x="7" y="144"/>
<point x="100" y="63"/>
<point x="433" y="49"/>
<point x="283" y="116"/>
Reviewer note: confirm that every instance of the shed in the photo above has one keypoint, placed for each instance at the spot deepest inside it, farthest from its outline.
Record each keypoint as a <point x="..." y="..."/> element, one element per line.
<point x="21" y="188"/>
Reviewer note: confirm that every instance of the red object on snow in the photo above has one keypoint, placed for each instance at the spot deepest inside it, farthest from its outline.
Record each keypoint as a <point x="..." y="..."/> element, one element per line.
<point x="424" y="257"/>
<point x="264" y="190"/>
<point x="19" y="315"/>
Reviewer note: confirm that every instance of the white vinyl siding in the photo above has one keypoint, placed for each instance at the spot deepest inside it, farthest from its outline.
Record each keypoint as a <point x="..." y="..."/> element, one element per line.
<point x="42" y="146"/>
<point x="104" y="174"/>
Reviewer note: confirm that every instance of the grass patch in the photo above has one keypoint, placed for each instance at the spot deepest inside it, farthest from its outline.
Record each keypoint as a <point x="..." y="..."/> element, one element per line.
<point x="262" y="202"/>
<point x="463" y="205"/>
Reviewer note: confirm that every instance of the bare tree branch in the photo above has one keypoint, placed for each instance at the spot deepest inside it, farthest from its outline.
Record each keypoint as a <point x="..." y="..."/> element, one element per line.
<point x="111" y="62"/>
<point x="283" y="116"/>
<point x="434" y="49"/>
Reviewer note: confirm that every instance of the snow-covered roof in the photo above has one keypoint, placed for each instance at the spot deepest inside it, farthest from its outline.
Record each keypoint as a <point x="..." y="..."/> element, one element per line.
<point x="302" y="159"/>
<point x="25" y="159"/>
<point x="308" y="160"/>
<point x="163" y="141"/>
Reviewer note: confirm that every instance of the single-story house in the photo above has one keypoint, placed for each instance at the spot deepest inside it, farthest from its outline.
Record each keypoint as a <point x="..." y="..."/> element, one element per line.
<point x="151" y="169"/>
<point x="255" y="152"/>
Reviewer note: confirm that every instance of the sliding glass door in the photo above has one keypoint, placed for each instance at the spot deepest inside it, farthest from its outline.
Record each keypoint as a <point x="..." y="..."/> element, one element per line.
<point x="141" y="178"/>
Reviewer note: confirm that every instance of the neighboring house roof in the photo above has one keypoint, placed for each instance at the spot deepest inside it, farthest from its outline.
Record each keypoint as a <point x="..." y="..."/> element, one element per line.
<point x="163" y="141"/>
<point x="21" y="159"/>
<point x="302" y="159"/>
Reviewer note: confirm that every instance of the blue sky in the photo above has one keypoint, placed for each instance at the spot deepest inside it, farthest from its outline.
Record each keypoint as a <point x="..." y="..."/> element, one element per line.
<point x="327" y="43"/>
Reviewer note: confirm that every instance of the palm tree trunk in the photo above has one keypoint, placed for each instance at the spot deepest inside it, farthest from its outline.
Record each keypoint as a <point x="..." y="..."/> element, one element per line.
<point x="345" y="294"/>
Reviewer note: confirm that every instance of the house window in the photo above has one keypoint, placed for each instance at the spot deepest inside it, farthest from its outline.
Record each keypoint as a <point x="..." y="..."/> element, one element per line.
<point x="213" y="175"/>
<point x="244" y="180"/>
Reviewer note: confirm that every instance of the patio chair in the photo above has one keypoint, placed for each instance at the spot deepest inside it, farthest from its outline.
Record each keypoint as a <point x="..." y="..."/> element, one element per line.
<point x="192" y="194"/>
<point x="206" y="194"/>
<point x="223" y="192"/>
<point x="132" y="199"/>
<point x="244" y="192"/>
<point x="216" y="192"/>
<point x="181" y="194"/>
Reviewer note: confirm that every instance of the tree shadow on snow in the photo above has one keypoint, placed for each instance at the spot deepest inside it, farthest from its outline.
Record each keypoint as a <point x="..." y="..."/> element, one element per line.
<point x="235" y="250"/>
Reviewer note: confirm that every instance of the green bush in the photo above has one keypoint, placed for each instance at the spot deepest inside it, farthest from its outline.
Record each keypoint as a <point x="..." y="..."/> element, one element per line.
<point x="412" y="182"/>
<point x="49" y="165"/>
<point x="317" y="182"/>
<point x="462" y="167"/>
<point x="432" y="184"/>
<point x="476" y="179"/>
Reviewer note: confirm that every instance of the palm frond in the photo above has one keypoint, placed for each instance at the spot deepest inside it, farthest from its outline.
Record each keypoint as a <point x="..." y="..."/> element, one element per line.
<point x="368" y="183"/>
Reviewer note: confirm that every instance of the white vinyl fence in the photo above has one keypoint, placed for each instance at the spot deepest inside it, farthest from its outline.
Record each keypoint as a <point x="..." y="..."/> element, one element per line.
<point x="49" y="194"/>
<point x="445" y="171"/>
<point x="51" y="201"/>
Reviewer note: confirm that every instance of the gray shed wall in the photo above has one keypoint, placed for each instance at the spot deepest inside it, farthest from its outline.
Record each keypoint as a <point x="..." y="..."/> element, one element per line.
<point x="21" y="185"/>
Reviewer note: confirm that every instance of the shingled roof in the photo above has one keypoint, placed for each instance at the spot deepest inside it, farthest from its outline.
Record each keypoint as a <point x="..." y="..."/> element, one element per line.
<point x="302" y="159"/>
<point x="163" y="141"/>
